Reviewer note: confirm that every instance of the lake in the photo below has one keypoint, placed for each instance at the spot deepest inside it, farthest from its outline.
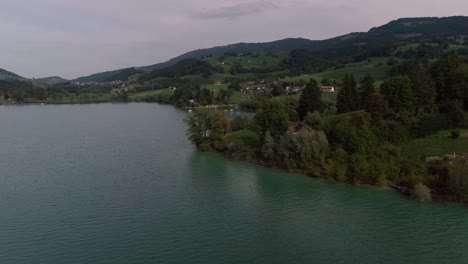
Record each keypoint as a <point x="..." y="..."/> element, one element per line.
<point x="119" y="183"/>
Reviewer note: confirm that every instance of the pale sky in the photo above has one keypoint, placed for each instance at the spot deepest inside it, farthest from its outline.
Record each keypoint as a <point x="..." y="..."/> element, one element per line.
<point x="72" y="38"/>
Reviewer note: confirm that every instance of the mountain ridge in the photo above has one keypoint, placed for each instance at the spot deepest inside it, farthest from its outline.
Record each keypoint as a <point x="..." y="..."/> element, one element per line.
<point x="286" y="45"/>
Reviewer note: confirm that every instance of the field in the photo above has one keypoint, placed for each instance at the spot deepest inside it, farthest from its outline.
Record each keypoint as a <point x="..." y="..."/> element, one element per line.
<point x="214" y="88"/>
<point x="144" y="94"/>
<point x="377" y="67"/>
<point x="435" y="145"/>
<point x="243" y="137"/>
<point x="260" y="60"/>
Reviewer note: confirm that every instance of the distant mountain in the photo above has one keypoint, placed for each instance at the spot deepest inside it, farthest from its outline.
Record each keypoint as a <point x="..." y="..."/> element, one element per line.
<point x="408" y="38"/>
<point x="285" y="45"/>
<point x="401" y="31"/>
<point x="182" y="68"/>
<point x="438" y="34"/>
<point x="274" y="46"/>
<point x="109" y="76"/>
<point x="49" y="80"/>
<point x="4" y="74"/>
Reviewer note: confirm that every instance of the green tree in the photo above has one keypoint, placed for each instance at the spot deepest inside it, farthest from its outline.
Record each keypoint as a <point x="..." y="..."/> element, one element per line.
<point x="313" y="120"/>
<point x="277" y="90"/>
<point x="424" y="89"/>
<point x="206" y="128"/>
<point x="445" y="76"/>
<point x="273" y="117"/>
<point x="120" y="95"/>
<point x="223" y="96"/>
<point x="301" y="150"/>
<point x="310" y="99"/>
<point x="348" y="97"/>
<point x="398" y="93"/>
<point x="376" y="106"/>
<point x="205" y="97"/>
<point x="326" y="82"/>
<point x="268" y="148"/>
<point x="367" y="88"/>
<point x="235" y="85"/>
<point x="458" y="180"/>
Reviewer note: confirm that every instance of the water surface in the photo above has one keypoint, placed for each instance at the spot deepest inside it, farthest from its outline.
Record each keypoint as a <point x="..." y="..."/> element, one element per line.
<point x="117" y="183"/>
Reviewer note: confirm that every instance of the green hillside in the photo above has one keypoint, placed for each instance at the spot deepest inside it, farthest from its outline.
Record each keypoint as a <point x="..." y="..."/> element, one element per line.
<point x="4" y="74"/>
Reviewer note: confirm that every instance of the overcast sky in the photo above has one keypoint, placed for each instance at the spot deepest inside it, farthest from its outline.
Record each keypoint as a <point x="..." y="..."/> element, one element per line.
<point x="72" y="38"/>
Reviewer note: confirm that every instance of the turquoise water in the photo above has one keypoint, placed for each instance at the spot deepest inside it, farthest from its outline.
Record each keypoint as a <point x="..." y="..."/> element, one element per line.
<point x="117" y="183"/>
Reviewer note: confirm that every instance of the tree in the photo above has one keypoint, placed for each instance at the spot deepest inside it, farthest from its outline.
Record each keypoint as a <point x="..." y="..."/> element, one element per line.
<point x="234" y="85"/>
<point x="313" y="120"/>
<point x="120" y="95"/>
<point x="310" y="99"/>
<point x="205" y="97"/>
<point x="398" y="93"/>
<point x="206" y="128"/>
<point x="422" y="192"/>
<point x="273" y="117"/>
<point x="326" y="82"/>
<point x="458" y="180"/>
<point x="376" y="106"/>
<point x="301" y="150"/>
<point x="444" y="74"/>
<point x="348" y="98"/>
<point x="223" y="96"/>
<point x="367" y="88"/>
<point x="268" y="148"/>
<point x="277" y="90"/>
<point x="424" y="89"/>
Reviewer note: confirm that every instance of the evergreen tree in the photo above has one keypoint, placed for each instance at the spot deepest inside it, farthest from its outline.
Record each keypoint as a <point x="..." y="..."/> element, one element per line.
<point x="348" y="97"/>
<point x="310" y="99"/>
<point x="367" y="88"/>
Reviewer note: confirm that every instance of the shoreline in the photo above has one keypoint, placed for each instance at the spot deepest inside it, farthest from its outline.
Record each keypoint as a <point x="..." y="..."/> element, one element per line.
<point x="312" y="172"/>
<point x="315" y="174"/>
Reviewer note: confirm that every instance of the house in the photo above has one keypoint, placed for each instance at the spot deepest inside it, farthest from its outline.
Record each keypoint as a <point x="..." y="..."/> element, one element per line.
<point x="172" y="88"/>
<point x="293" y="89"/>
<point x="218" y="83"/>
<point x="327" y="89"/>
<point x="297" y="127"/>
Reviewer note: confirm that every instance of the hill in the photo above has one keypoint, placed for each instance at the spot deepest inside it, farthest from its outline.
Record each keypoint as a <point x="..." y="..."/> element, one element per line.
<point x="53" y="80"/>
<point x="284" y="45"/>
<point x="274" y="46"/>
<point x="4" y="74"/>
<point x="181" y="68"/>
<point x="407" y="38"/>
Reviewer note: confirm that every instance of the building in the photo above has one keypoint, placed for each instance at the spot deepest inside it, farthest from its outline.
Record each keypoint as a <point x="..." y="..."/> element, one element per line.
<point x="293" y="89"/>
<point x="327" y="89"/>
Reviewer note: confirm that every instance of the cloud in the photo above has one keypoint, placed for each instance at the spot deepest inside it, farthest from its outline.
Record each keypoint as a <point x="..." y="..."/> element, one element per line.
<point x="234" y="11"/>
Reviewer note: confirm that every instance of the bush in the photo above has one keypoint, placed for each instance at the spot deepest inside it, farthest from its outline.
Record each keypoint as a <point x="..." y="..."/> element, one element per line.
<point x="242" y="123"/>
<point x="313" y="120"/>
<point x="455" y="133"/>
<point x="422" y="192"/>
<point x="458" y="180"/>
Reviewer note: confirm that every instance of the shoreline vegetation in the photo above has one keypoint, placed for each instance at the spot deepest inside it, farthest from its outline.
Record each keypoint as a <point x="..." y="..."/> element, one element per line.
<point x="367" y="137"/>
